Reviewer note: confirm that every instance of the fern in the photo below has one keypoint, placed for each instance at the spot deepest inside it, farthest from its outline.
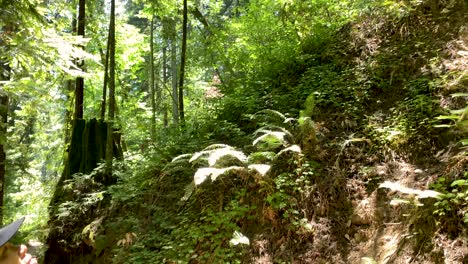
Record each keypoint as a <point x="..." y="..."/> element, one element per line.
<point x="216" y="155"/>
<point x="217" y="146"/>
<point x="268" y="115"/>
<point x="309" y="107"/>
<point x="176" y="163"/>
<point x="262" y="169"/>
<point x="271" y="135"/>
<point x="293" y="148"/>
<point x="199" y="154"/>
<point x="268" y="128"/>
<point x="203" y="173"/>
<point x="181" y="157"/>
<point x="261" y="157"/>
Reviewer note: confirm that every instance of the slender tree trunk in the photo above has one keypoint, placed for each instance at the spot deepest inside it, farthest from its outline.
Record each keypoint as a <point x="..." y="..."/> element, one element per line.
<point x="164" y="63"/>
<point x="152" y="87"/>
<point x="3" y="139"/>
<point x="165" y="80"/>
<point x="79" y="93"/>
<point x="175" y="109"/>
<point x="111" y="113"/>
<point x="182" y="65"/>
<point x="106" y="79"/>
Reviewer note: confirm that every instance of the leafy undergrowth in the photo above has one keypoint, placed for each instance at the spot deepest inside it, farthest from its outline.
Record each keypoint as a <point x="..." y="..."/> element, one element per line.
<point x="347" y="188"/>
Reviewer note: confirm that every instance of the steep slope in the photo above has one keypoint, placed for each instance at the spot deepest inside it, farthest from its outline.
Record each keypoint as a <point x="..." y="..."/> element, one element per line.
<point x="374" y="92"/>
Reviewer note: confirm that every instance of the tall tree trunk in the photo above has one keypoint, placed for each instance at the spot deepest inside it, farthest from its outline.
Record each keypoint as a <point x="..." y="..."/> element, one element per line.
<point x="165" y="80"/>
<point x="175" y="108"/>
<point x="3" y="139"/>
<point x="152" y="87"/>
<point x="164" y="63"/>
<point x="111" y="113"/>
<point x="106" y="79"/>
<point x="182" y="65"/>
<point x="79" y="93"/>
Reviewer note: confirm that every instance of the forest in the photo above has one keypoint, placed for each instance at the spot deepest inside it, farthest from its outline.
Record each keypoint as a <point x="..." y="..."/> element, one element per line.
<point x="235" y="131"/>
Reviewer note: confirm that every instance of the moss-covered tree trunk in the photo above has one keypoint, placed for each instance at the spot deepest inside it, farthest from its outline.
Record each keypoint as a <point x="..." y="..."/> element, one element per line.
<point x="87" y="149"/>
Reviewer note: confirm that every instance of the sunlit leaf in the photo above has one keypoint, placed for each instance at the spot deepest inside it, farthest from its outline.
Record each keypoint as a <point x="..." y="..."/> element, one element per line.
<point x="459" y="183"/>
<point x="239" y="238"/>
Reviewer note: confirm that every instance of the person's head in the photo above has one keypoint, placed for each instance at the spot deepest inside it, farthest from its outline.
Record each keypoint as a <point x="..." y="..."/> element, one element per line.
<point x="9" y="254"/>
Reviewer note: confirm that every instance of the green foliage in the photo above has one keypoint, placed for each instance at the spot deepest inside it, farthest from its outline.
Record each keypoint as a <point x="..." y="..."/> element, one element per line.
<point x="452" y="207"/>
<point x="286" y="192"/>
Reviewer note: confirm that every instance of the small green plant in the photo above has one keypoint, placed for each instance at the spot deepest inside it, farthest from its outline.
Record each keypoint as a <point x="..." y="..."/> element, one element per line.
<point x="454" y="199"/>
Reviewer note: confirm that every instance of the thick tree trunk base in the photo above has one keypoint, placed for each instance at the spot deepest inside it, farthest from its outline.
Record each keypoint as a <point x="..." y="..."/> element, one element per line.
<point x="86" y="151"/>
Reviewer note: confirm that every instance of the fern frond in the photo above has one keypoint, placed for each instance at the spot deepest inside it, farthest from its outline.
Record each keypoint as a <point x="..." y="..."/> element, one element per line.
<point x="261" y="156"/>
<point x="268" y="114"/>
<point x="179" y="162"/>
<point x="290" y="120"/>
<point x="262" y="169"/>
<point x="309" y="106"/>
<point x="270" y="134"/>
<point x="176" y="168"/>
<point x="268" y="128"/>
<point x="198" y="154"/>
<point x="219" y="153"/>
<point x="180" y="157"/>
<point x="188" y="191"/>
<point x="220" y="172"/>
<point x="293" y="148"/>
<point x="203" y="173"/>
<point x="217" y="146"/>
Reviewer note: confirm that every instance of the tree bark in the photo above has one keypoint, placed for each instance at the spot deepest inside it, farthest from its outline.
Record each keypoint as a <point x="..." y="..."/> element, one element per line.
<point x="3" y="138"/>
<point x="152" y="87"/>
<point x="111" y="113"/>
<point x="79" y="92"/>
<point x="182" y="64"/>
<point x="106" y="79"/>
<point x="175" y="109"/>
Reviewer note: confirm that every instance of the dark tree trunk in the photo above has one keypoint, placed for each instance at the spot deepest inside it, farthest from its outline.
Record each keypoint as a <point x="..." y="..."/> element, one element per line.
<point x="106" y="79"/>
<point x="152" y="82"/>
<point x="111" y="114"/>
<point x="79" y="92"/>
<point x="175" y="109"/>
<point x="3" y="138"/>
<point x="182" y="65"/>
